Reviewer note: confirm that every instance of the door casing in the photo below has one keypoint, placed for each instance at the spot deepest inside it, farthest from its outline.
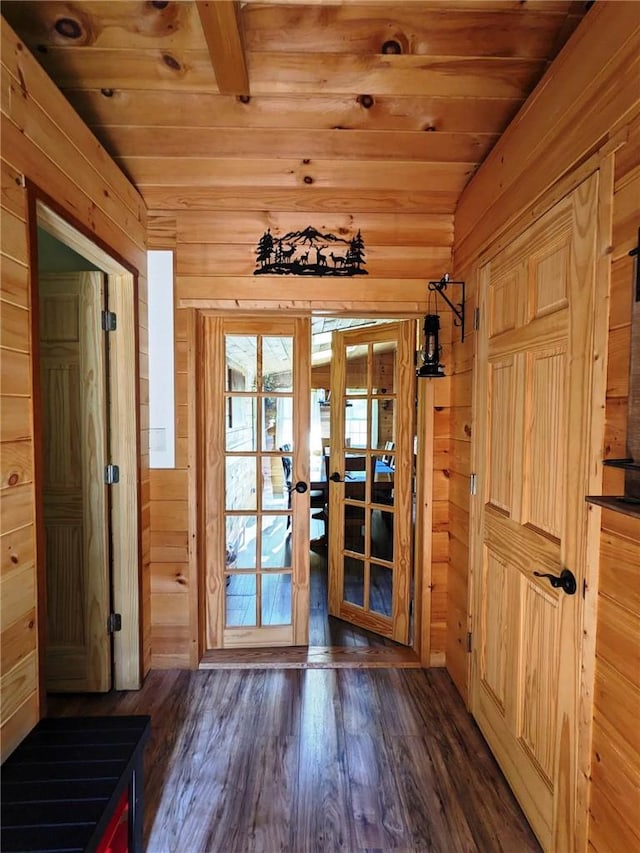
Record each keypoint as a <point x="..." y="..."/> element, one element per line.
<point x="428" y="397"/>
<point x="126" y="551"/>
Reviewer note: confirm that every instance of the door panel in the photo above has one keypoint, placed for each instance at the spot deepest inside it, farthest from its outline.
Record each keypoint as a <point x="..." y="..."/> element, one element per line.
<point x="543" y="487"/>
<point x="532" y="415"/>
<point x="73" y="393"/>
<point x="255" y="424"/>
<point x="370" y="529"/>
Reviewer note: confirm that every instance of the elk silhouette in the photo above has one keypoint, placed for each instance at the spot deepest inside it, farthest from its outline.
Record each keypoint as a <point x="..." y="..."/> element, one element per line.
<point x="286" y="254"/>
<point x="338" y="260"/>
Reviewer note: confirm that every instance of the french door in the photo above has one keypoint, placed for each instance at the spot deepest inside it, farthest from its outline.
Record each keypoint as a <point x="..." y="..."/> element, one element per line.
<point x="535" y="447"/>
<point x="255" y="379"/>
<point x="371" y="477"/>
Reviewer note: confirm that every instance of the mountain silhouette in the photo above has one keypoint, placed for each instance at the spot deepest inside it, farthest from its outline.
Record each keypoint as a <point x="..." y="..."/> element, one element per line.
<point x="311" y="237"/>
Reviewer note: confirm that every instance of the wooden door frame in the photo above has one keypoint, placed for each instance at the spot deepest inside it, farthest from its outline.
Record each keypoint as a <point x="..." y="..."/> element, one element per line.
<point x="124" y="392"/>
<point x="603" y="165"/>
<point x="226" y="305"/>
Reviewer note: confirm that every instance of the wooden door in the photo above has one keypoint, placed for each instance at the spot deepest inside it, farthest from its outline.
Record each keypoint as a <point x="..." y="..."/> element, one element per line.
<point x="371" y="477"/>
<point x="254" y="385"/>
<point x="73" y="394"/>
<point x="534" y="451"/>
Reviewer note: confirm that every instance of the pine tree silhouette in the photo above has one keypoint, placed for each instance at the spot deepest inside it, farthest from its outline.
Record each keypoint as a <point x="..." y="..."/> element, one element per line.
<point x="265" y="248"/>
<point x="356" y="251"/>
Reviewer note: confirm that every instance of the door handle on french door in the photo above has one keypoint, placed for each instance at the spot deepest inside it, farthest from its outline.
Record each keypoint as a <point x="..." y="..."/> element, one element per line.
<point x="335" y="478"/>
<point x="300" y="487"/>
<point x="566" y="581"/>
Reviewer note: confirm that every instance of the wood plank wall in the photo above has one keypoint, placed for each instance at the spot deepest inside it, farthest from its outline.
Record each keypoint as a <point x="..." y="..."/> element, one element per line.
<point x="47" y="143"/>
<point x="587" y="103"/>
<point x="615" y="766"/>
<point x="215" y="259"/>
<point x="586" y="111"/>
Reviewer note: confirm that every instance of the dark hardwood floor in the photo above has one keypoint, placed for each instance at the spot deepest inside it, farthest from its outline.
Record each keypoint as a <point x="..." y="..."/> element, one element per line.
<point x="312" y="760"/>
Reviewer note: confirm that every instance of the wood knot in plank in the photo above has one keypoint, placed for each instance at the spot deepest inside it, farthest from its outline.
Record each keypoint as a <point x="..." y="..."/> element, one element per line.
<point x="69" y="28"/>
<point x="391" y="47"/>
<point x="171" y="62"/>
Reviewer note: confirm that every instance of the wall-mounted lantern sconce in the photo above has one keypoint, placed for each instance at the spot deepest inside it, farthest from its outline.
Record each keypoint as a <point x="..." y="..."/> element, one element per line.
<point x="430" y="353"/>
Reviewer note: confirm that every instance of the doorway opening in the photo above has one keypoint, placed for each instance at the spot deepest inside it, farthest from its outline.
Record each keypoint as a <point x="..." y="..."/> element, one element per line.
<point x="280" y="504"/>
<point x="86" y="420"/>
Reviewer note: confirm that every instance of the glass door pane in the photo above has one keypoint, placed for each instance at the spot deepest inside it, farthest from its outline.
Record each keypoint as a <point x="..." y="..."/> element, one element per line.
<point x="257" y="581"/>
<point x="372" y="382"/>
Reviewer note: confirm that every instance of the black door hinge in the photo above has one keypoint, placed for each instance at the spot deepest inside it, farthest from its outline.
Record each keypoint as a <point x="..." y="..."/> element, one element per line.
<point x="109" y="321"/>
<point x="111" y="474"/>
<point x="114" y="623"/>
<point x="469" y="638"/>
<point x="476" y="319"/>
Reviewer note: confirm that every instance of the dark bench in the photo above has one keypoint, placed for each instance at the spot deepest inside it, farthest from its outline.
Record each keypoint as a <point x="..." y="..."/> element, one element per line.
<point x="73" y="783"/>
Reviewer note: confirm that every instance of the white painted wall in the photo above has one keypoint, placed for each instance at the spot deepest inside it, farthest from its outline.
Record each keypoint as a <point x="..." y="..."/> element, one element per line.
<point x="162" y="419"/>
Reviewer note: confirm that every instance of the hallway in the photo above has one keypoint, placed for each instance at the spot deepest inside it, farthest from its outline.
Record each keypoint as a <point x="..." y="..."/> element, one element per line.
<point x="311" y="760"/>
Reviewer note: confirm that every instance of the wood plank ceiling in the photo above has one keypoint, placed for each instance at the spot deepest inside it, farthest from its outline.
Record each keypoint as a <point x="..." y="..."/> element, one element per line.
<point x="372" y="107"/>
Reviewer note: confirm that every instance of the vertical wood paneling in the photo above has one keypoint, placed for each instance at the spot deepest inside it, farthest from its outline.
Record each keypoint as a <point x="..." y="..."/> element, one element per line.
<point x="44" y="140"/>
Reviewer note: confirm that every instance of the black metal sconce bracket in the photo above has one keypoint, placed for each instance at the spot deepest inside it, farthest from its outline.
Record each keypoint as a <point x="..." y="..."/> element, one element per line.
<point x="458" y="309"/>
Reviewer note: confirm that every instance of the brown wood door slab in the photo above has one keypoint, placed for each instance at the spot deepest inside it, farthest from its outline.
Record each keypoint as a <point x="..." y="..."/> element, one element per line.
<point x="371" y="477"/>
<point x="533" y="416"/>
<point x="254" y="387"/>
<point x="73" y="388"/>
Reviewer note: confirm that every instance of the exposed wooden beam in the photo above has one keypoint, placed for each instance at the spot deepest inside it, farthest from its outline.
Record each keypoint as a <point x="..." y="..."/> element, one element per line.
<point x="221" y="24"/>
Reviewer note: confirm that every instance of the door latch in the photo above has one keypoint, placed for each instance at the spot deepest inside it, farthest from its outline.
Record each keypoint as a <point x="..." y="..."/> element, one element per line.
<point x="566" y="581"/>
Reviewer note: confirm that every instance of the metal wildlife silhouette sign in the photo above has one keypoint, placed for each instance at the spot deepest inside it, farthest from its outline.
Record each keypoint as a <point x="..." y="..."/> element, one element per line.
<point x="309" y="252"/>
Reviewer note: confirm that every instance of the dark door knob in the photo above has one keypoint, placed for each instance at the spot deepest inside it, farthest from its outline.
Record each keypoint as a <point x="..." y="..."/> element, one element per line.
<point x="566" y="581"/>
<point x="300" y="487"/>
<point x="335" y="478"/>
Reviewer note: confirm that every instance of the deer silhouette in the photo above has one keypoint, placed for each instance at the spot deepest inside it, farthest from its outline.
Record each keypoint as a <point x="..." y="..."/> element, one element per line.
<point x="338" y="260"/>
<point x="320" y="258"/>
<point x="287" y="253"/>
<point x="304" y="258"/>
